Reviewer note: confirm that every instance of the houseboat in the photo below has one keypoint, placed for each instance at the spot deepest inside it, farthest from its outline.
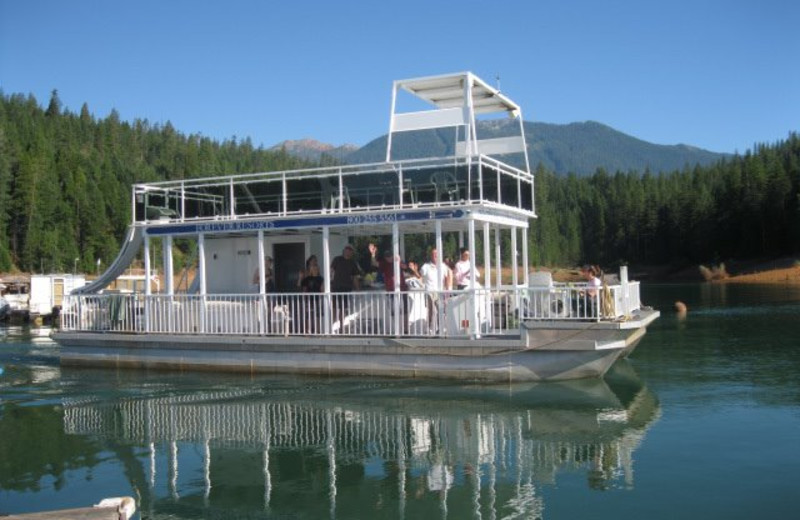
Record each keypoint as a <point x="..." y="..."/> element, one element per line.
<point x="239" y="314"/>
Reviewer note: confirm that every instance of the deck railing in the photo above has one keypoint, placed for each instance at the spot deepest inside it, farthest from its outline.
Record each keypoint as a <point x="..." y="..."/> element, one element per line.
<point x="485" y="312"/>
<point x="418" y="183"/>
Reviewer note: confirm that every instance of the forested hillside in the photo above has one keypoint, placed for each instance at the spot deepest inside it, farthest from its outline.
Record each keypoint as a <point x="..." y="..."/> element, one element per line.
<point x="578" y="148"/>
<point x="65" y="183"/>
<point x="65" y="178"/>
<point x="744" y="207"/>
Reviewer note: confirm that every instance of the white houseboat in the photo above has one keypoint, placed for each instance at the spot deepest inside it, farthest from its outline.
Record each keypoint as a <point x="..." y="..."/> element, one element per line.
<point x="235" y="317"/>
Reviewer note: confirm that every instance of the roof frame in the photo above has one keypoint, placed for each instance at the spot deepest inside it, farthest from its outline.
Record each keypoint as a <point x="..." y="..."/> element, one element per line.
<point x="449" y="92"/>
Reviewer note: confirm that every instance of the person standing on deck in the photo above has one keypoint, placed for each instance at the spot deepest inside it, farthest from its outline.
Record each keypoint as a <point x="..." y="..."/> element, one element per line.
<point x="385" y="266"/>
<point x="269" y="281"/>
<point x="464" y="271"/>
<point x="434" y="285"/>
<point x="587" y="304"/>
<point x="312" y="283"/>
<point x="345" y="273"/>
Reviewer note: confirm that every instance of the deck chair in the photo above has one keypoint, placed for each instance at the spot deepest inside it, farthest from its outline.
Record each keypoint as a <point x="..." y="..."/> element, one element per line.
<point x="331" y="197"/>
<point x="544" y="301"/>
<point x="445" y="186"/>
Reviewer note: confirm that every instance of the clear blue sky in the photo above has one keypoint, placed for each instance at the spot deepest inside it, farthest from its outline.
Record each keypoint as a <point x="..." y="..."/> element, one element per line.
<point x="721" y="75"/>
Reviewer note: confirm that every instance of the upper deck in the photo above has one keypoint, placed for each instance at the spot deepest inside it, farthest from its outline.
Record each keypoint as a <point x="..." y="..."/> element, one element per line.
<point x="391" y="186"/>
<point x="469" y="177"/>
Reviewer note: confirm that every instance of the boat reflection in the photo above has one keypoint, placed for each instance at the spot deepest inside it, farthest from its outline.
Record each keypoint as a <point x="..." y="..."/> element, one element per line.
<point x="391" y="449"/>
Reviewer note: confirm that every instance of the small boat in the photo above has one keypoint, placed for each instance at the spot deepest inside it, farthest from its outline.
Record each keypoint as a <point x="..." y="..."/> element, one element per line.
<point x="15" y="293"/>
<point x="235" y="315"/>
<point x="36" y="296"/>
<point x="5" y="308"/>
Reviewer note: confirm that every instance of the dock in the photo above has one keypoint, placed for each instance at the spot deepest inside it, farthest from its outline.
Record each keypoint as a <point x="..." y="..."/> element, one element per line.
<point x="118" y="508"/>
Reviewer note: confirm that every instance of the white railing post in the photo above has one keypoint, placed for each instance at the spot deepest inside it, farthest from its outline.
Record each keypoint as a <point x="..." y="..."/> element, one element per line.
<point x="231" y="199"/>
<point x="623" y="279"/>
<point x="285" y="198"/>
<point x="341" y="192"/>
<point x="400" y="186"/>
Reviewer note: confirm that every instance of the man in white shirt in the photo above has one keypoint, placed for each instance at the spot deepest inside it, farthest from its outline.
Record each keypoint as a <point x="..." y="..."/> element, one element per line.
<point x="464" y="271"/>
<point x="434" y="283"/>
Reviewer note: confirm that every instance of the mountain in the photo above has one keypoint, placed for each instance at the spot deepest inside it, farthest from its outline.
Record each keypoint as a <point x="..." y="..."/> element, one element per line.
<point x="312" y="150"/>
<point x="578" y="148"/>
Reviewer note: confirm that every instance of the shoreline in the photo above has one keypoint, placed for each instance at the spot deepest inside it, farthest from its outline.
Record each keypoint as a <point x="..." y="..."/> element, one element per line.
<point x="767" y="273"/>
<point x="779" y="276"/>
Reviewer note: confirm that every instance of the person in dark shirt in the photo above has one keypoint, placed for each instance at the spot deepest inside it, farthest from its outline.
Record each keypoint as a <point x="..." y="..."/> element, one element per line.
<point x="313" y="283"/>
<point x="312" y="260"/>
<point x="345" y="274"/>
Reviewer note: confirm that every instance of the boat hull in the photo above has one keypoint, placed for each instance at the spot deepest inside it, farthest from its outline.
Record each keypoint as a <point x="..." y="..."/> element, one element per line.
<point x="489" y="360"/>
<point x="542" y="352"/>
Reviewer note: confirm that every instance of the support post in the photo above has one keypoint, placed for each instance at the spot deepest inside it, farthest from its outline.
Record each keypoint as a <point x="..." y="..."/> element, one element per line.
<point x="474" y="326"/>
<point x="398" y="317"/>
<point x="326" y="263"/>
<point x="623" y="280"/>
<point x="201" y="268"/>
<point x="498" y="264"/>
<point x="168" y="279"/>
<point x="526" y="276"/>
<point x="487" y="273"/>
<point x="147" y="290"/>
<point x="262" y="286"/>
<point x="391" y="124"/>
<point x="168" y="265"/>
<point x="514" y="258"/>
<point x="439" y="271"/>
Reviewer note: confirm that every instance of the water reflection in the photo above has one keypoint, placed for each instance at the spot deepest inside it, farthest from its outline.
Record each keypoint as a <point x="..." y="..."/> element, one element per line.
<point x="353" y="450"/>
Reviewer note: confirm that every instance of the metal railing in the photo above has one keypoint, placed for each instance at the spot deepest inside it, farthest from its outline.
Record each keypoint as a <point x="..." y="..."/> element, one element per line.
<point x="417" y="183"/>
<point x="494" y="312"/>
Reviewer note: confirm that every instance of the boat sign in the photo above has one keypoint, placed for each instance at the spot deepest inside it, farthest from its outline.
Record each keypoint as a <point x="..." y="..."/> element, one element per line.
<point x="307" y="222"/>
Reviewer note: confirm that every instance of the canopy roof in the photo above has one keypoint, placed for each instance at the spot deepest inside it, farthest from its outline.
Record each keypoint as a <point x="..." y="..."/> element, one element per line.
<point x="447" y="91"/>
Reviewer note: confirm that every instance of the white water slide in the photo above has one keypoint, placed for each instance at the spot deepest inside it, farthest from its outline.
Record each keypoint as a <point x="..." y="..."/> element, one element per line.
<point x="129" y="249"/>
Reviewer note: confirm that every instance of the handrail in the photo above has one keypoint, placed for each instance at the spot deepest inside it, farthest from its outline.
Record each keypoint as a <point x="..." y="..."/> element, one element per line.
<point x="440" y="314"/>
<point x="323" y="171"/>
<point x="371" y="187"/>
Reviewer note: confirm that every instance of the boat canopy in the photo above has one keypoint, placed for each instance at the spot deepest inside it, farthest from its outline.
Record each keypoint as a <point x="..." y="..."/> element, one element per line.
<point x="457" y="99"/>
<point x="450" y="91"/>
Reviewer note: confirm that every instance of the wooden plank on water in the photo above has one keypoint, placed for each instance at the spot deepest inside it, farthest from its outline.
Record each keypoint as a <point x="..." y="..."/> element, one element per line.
<point x="81" y="513"/>
<point x="121" y="508"/>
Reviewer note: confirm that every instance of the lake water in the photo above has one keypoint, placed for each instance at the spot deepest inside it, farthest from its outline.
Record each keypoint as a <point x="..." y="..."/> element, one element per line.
<point x="703" y="421"/>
